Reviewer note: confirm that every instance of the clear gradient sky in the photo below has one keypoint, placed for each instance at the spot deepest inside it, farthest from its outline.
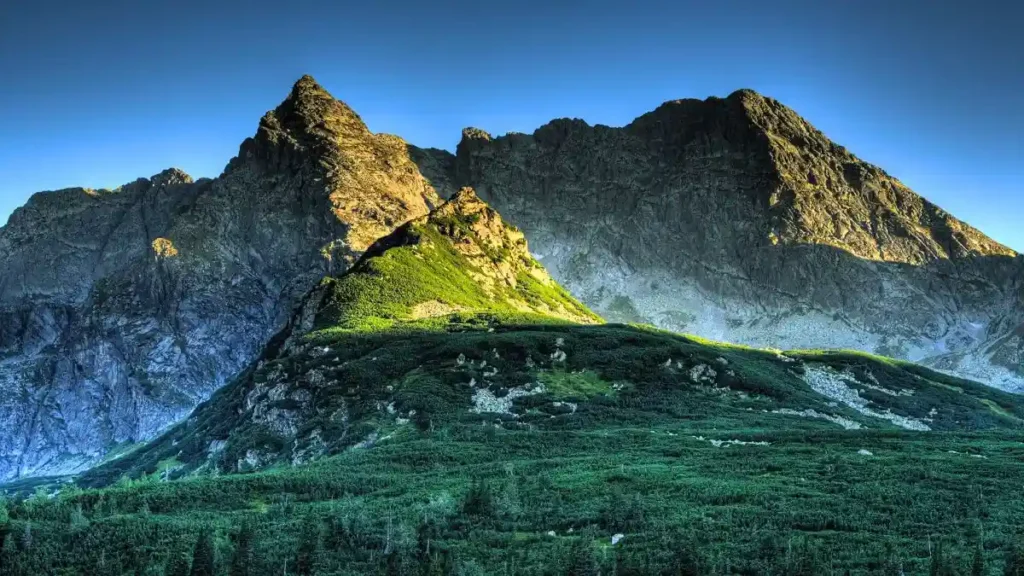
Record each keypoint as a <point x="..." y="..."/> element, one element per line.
<point x="100" y="93"/>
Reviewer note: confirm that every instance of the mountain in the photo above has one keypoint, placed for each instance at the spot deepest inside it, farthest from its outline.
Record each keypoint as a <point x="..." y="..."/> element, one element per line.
<point x="737" y="220"/>
<point x="121" y="309"/>
<point x="450" y="318"/>
<point x="733" y="219"/>
<point x="458" y="269"/>
<point x="444" y="406"/>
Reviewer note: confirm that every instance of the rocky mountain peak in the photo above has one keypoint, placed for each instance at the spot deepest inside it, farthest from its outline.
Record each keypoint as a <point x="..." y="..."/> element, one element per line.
<point x="472" y="133"/>
<point x="826" y="195"/>
<point x="366" y="180"/>
<point x="311" y="107"/>
<point x="479" y="234"/>
<point x="135" y="304"/>
<point x="472" y="229"/>
<point x="307" y="85"/>
<point x="171" y="177"/>
<point x="465" y="208"/>
<point x="736" y="219"/>
<point x="465" y="205"/>
<point x="307" y="128"/>
<point x="811" y="190"/>
<point x="746" y="95"/>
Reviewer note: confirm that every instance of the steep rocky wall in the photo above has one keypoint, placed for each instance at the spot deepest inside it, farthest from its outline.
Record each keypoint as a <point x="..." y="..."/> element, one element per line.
<point x="121" y="310"/>
<point x="736" y="220"/>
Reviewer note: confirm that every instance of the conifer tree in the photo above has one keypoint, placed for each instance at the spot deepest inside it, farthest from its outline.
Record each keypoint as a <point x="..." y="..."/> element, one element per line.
<point x="178" y="565"/>
<point x="78" y="520"/>
<point x="310" y="558"/>
<point x="244" y="557"/>
<point x="423" y="545"/>
<point x="978" y="563"/>
<point x="685" y="563"/>
<point x="26" y="537"/>
<point x="479" y="502"/>
<point x="392" y="564"/>
<point x="939" y="565"/>
<point x="441" y="563"/>
<point x="1014" y="562"/>
<point x="8" y="554"/>
<point x="583" y="561"/>
<point x="202" y="555"/>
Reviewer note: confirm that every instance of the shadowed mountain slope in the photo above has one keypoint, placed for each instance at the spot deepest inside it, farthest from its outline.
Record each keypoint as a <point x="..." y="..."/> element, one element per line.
<point x="121" y="310"/>
<point x="737" y="220"/>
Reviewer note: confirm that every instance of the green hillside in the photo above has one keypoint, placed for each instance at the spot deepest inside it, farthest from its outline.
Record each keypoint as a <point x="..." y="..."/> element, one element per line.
<point x="446" y="408"/>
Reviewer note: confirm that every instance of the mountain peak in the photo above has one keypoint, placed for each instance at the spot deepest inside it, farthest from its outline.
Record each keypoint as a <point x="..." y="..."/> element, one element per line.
<point x="310" y="106"/>
<point x="307" y="125"/>
<point x="171" y="177"/>
<point x="307" y="84"/>
<point x="465" y="201"/>
<point x="747" y="95"/>
<point x="816" y="191"/>
<point x="472" y="134"/>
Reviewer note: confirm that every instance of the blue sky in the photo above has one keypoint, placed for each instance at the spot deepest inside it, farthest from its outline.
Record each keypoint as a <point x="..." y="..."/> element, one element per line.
<point x="100" y="93"/>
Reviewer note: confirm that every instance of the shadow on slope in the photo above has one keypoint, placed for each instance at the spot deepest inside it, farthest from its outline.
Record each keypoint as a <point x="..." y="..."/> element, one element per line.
<point x="340" y="390"/>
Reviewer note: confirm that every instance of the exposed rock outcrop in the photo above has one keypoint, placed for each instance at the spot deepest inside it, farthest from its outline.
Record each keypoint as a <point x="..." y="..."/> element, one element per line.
<point x="121" y="310"/>
<point x="736" y="220"/>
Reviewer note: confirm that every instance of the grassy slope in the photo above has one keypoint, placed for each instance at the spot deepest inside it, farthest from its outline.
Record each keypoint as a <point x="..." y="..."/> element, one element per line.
<point x="420" y="263"/>
<point x="616" y="374"/>
<point x="628" y="460"/>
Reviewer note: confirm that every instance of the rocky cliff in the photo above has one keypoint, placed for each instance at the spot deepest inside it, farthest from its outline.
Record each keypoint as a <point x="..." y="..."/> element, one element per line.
<point x="121" y="309"/>
<point x="737" y="220"/>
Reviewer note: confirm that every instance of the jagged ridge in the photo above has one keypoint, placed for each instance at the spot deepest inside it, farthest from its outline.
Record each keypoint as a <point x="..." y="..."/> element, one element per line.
<point x="735" y="219"/>
<point x="121" y="310"/>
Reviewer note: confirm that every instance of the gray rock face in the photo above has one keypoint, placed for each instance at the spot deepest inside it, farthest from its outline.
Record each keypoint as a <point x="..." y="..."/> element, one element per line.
<point x="734" y="219"/>
<point x="121" y="310"/>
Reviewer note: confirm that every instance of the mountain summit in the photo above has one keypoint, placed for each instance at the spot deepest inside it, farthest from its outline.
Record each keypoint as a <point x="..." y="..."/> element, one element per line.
<point x="459" y="258"/>
<point x="121" y="309"/>
<point x="735" y="219"/>
<point x="826" y="195"/>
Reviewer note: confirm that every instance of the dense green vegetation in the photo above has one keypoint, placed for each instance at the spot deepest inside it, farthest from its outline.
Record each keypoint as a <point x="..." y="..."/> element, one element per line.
<point x="480" y="493"/>
<point x="345" y="388"/>
<point x="480" y="499"/>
